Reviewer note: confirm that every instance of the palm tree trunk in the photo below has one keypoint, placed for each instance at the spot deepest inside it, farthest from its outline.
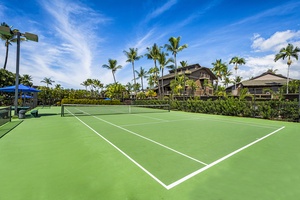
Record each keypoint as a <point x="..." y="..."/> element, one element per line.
<point x="162" y="82"/>
<point x="6" y="55"/>
<point x="158" y="85"/>
<point x="287" y="80"/>
<point x="114" y="77"/>
<point x="142" y="84"/>
<point x="175" y="66"/>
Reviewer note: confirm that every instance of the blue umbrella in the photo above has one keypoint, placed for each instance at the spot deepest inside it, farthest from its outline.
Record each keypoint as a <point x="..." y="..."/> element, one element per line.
<point x="21" y="88"/>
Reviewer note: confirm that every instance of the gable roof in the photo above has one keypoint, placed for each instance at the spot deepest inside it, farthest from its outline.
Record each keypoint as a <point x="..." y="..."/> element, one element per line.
<point x="192" y="68"/>
<point x="269" y="76"/>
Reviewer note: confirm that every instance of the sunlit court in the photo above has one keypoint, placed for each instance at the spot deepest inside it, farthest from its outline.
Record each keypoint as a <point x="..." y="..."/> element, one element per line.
<point x="111" y="151"/>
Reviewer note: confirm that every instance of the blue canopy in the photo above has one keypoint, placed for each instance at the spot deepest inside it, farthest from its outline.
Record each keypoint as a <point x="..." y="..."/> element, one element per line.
<point x="21" y="88"/>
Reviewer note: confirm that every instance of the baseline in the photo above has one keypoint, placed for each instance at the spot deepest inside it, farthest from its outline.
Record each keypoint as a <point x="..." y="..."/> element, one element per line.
<point x="170" y="186"/>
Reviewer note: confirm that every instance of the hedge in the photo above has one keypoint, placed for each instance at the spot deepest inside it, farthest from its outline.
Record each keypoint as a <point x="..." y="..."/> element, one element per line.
<point x="272" y="109"/>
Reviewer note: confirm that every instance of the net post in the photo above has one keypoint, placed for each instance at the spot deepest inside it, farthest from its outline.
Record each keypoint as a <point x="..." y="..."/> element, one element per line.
<point x="9" y="113"/>
<point x="62" y="110"/>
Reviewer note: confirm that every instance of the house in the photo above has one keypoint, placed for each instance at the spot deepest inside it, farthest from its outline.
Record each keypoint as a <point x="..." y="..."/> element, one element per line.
<point x="261" y="84"/>
<point x="202" y="76"/>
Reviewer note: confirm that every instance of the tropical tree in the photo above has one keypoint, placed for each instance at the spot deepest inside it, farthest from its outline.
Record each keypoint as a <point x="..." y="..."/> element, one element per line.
<point x="26" y="79"/>
<point x="153" y="54"/>
<point x="153" y="76"/>
<point x="288" y="52"/>
<point x="112" y="65"/>
<point x="6" y="78"/>
<point x="85" y="84"/>
<point x="175" y="47"/>
<point x="238" y="79"/>
<point x="273" y="71"/>
<point x="192" y="86"/>
<point x="183" y="63"/>
<point x="132" y="56"/>
<point x="97" y="85"/>
<point x="115" y="91"/>
<point x="48" y="81"/>
<point x="163" y="62"/>
<point x="226" y="77"/>
<point x="237" y="61"/>
<point x="142" y="74"/>
<point x="219" y="69"/>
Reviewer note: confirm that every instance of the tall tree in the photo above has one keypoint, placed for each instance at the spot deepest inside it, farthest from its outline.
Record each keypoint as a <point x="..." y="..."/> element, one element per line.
<point x="132" y="56"/>
<point x="26" y="79"/>
<point x="85" y="84"/>
<point x="183" y="63"/>
<point x="219" y="69"/>
<point x="8" y="40"/>
<point x="112" y="65"/>
<point x="153" y="54"/>
<point x="288" y="52"/>
<point x="175" y="47"/>
<point x="163" y="62"/>
<point x="142" y="74"/>
<point x="48" y="81"/>
<point x="237" y="61"/>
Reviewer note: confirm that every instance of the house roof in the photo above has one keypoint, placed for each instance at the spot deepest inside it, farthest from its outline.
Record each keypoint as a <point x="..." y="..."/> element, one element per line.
<point x="192" y="68"/>
<point x="269" y="76"/>
<point x="249" y="83"/>
<point x="266" y="79"/>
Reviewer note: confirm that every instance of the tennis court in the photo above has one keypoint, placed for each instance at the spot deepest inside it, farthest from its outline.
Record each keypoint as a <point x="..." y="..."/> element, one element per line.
<point x="148" y="154"/>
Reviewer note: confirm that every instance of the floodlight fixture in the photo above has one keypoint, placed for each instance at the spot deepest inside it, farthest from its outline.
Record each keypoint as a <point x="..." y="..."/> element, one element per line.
<point x="4" y="30"/>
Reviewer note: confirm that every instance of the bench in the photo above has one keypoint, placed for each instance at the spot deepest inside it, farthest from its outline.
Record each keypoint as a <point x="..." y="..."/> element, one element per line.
<point x="34" y="113"/>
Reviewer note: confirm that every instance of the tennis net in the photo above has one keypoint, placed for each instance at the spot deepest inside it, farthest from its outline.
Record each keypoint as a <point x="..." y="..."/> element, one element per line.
<point x="5" y="115"/>
<point x="84" y="109"/>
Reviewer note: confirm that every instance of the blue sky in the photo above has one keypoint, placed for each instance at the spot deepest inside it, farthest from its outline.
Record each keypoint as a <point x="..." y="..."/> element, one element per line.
<point x="76" y="37"/>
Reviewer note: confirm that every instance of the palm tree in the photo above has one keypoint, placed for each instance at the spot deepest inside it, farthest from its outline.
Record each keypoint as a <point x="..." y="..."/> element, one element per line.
<point x="48" y="81"/>
<point x="85" y="84"/>
<point x="163" y="62"/>
<point x="237" y="61"/>
<point x="238" y="79"/>
<point x="288" y="52"/>
<point x="132" y="55"/>
<point x="142" y="74"/>
<point x="153" y="71"/>
<point x="175" y="47"/>
<point x="273" y="71"/>
<point x="183" y="63"/>
<point x="219" y="69"/>
<point x="8" y="40"/>
<point x="26" y="80"/>
<point x="153" y="54"/>
<point x="97" y="85"/>
<point x="112" y="65"/>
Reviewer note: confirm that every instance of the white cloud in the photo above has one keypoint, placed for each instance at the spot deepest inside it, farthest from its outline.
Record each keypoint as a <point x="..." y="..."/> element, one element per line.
<point x="161" y="10"/>
<point x="275" y="42"/>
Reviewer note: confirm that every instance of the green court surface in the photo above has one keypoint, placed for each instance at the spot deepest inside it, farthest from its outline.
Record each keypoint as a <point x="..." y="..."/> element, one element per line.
<point x="162" y="155"/>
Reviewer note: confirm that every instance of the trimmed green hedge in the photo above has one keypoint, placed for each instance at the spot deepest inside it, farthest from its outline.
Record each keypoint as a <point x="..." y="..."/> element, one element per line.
<point x="272" y="109"/>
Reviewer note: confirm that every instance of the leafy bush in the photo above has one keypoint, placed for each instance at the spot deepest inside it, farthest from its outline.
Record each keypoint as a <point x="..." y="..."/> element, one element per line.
<point x="273" y="109"/>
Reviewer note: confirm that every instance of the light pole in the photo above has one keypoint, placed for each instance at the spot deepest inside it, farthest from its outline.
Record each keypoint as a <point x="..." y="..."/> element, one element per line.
<point x="28" y="36"/>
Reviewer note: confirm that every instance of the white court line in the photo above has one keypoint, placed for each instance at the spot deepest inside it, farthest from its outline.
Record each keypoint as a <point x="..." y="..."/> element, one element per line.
<point x="160" y="122"/>
<point x="172" y="185"/>
<point x="153" y="141"/>
<point x="219" y="160"/>
<point x="122" y="152"/>
<point x="203" y="117"/>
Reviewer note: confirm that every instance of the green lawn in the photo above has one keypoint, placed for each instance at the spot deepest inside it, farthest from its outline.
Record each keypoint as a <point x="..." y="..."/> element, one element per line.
<point x="53" y="157"/>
